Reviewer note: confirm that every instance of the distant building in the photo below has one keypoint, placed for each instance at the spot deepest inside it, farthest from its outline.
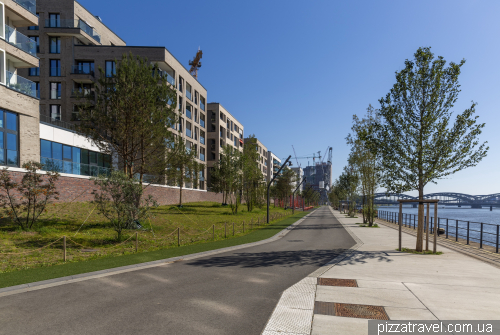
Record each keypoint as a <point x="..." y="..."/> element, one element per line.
<point x="274" y="165"/>
<point x="300" y="174"/>
<point x="319" y="174"/>
<point x="262" y="160"/>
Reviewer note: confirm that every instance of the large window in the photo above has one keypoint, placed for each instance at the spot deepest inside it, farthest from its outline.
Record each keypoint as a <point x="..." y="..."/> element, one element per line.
<point x="202" y="120"/>
<point x="188" y="130"/>
<point x="110" y="68"/>
<point x="188" y="92"/>
<point x="188" y="111"/>
<point x="84" y="67"/>
<point x="9" y="138"/>
<point x="54" y="20"/>
<point x="55" y="90"/>
<point x="37" y="40"/>
<point x="202" y="103"/>
<point x="55" y="68"/>
<point x="72" y="160"/>
<point x="55" y="112"/>
<point x="55" y="45"/>
<point x="34" y="71"/>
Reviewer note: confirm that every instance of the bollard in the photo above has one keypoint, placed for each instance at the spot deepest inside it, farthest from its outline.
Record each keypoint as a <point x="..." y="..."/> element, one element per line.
<point x="136" y="240"/>
<point x="178" y="236"/>
<point x="64" y="248"/>
<point x="213" y="232"/>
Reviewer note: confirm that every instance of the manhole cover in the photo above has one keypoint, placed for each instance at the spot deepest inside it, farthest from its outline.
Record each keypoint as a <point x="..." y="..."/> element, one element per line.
<point x="337" y="282"/>
<point x="324" y="308"/>
<point x="361" y="311"/>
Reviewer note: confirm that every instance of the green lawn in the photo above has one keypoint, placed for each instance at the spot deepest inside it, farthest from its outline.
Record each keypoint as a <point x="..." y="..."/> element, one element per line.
<point x="110" y="261"/>
<point x="89" y="235"/>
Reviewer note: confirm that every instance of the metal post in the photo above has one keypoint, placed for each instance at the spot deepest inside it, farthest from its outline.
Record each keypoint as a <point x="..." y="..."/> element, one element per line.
<point x="400" y="223"/>
<point x="456" y="230"/>
<point x="434" y="247"/>
<point x="498" y="235"/>
<point x="179" y="236"/>
<point x="446" y="228"/>
<point x="481" y="240"/>
<point x="136" y="240"/>
<point x="427" y="228"/>
<point x="468" y="230"/>
<point x="64" y="248"/>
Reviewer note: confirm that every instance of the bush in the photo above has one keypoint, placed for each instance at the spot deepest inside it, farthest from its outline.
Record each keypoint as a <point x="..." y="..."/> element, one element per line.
<point x="24" y="202"/>
<point x="119" y="199"/>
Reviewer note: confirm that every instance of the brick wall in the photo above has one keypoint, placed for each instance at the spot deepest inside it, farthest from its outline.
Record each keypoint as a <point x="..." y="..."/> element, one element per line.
<point x="80" y="189"/>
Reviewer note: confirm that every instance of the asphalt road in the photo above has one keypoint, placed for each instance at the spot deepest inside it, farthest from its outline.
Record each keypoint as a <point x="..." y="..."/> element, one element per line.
<point x="229" y="293"/>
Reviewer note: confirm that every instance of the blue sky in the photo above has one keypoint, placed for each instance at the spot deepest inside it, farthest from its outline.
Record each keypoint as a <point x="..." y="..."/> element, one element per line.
<point x="294" y="72"/>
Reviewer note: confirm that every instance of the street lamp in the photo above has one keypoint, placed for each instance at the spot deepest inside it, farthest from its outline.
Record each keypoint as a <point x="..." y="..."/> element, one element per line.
<point x="293" y="195"/>
<point x="269" y="185"/>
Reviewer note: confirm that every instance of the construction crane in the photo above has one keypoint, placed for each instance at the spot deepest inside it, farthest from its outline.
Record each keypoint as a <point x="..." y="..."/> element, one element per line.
<point x="196" y="63"/>
<point x="295" y="156"/>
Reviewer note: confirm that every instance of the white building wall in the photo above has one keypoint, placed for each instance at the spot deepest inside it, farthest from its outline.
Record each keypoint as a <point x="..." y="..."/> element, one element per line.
<point x="67" y="137"/>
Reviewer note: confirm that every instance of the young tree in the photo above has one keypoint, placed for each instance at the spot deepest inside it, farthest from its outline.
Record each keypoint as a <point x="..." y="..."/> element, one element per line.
<point x="180" y="166"/>
<point x="131" y="115"/>
<point x="349" y="182"/>
<point x="285" y="184"/>
<point x="253" y="179"/>
<point x="118" y="198"/>
<point x="27" y="200"/>
<point x="416" y="139"/>
<point x="365" y="161"/>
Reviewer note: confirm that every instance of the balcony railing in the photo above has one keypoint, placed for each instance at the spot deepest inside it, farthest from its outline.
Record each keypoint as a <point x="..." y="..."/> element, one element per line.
<point x="58" y="123"/>
<point x="53" y="23"/>
<point x="29" y="5"/>
<point x="82" y="93"/>
<point x="202" y="123"/>
<point x="202" y="106"/>
<point x="21" y="84"/>
<point x="78" y="69"/>
<point x="19" y="40"/>
<point x="61" y="166"/>
<point x="202" y="157"/>
<point x="167" y="76"/>
<point x="202" y="140"/>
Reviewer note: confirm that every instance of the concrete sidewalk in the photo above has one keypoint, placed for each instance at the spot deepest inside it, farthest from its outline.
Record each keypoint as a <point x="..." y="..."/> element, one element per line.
<point x="450" y="286"/>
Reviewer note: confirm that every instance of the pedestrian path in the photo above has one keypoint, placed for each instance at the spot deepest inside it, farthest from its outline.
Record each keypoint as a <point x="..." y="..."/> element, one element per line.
<point x="375" y="280"/>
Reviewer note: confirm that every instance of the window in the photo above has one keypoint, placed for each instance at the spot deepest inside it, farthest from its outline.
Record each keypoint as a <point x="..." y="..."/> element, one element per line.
<point x="72" y="160"/>
<point x="196" y="133"/>
<point x="75" y="115"/>
<point x="196" y="95"/>
<point x="202" y="103"/>
<point x="232" y="125"/>
<point x="202" y="155"/>
<point x="181" y="83"/>
<point x="188" y="110"/>
<point x="221" y="132"/>
<point x="37" y="41"/>
<point x="34" y="71"/>
<point x="202" y="120"/>
<point x="55" y="45"/>
<point x="9" y="138"/>
<point x="188" y="130"/>
<point x="55" y="68"/>
<point x="228" y="124"/>
<point x="84" y="67"/>
<point x="196" y="115"/>
<point x="37" y="87"/>
<point x="181" y="122"/>
<point x="54" y="20"/>
<point x="180" y="104"/>
<point x="55" y="90"/>
<point x="110" y="68"/>
<point x="222" y="116"/>
<point x="202" y="137"/>
<point x="188" y="92"/>
<point x="55" y="112"/>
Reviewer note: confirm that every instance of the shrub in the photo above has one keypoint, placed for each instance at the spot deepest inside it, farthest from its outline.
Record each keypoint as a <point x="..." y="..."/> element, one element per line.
<point x="27" y="200"/>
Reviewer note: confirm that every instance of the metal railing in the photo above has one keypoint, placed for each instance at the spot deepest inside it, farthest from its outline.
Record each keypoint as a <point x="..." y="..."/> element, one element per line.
<point x="461" y="230"/>
<point x="19" y="40"/>
<point x="78" y="69"/>
<point x="29" y="5"/>
<point x="82" y="93"/>
<point x="202" y="106"/>
<point x="62" y="166"/>
<point x="21" y="84"/>
<point x="58" y="123"/>
<point x="68" y="23"/>
<point x="202" y="140"/>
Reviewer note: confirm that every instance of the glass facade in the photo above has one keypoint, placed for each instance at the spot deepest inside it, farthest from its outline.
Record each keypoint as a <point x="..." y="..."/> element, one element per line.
<point x="67" y="159"/>
<point x="9" y="138"/>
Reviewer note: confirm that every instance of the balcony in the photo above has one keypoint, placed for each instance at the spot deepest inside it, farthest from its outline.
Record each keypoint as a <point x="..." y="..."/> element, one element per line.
<point x="55" y="122"/>
<point x="78" y="69"/>
<point x="19" y="40"/>
<point x="79" y="24"/>
<point x="82" y="93"/>
<point x="21" y="84"/>
<point x="168" y="77"/>
<point x="29" y="5"/>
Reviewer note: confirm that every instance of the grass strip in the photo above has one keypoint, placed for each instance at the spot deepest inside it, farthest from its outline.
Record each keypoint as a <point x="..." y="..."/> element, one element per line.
<point x="69" y="269"/>
<point x="413" y="251"/>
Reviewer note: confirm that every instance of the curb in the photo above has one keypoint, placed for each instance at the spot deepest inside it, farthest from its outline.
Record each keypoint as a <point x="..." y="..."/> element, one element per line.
<point x="293" y="315"/>
<point x="134" y="267"/>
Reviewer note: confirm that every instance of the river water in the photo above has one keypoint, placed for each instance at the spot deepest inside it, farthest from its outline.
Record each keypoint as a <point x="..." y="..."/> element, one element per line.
<point x="462" y="215"/>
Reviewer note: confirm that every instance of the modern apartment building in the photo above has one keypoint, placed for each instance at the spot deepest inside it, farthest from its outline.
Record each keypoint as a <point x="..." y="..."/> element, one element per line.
<point x="72" y="45"/>
<point x="274" y="165"/>
<point x="300" y="174"/>
<point x="222" y="129"/>
<point x="19" y="118"/>
<point x="263" y="155"/>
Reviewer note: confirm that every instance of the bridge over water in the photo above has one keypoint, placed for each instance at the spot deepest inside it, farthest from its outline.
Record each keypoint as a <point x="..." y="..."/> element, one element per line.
<point x="445" y="198"/>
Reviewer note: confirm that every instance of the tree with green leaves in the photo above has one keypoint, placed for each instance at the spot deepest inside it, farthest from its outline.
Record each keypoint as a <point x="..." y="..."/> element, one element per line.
<point x="365" y="161"/>
<point x="131" y="116"/>
<point x="285" y="184"/>
<point x="180" y="165"/>
<point x="416" y="138"/>
<point x="254" y="189"/>
<point x="227" y="175"/>
<point x="349" y="182"/>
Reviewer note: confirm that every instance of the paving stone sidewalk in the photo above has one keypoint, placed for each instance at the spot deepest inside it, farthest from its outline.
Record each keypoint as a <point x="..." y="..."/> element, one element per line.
<point x="404" y="286"/>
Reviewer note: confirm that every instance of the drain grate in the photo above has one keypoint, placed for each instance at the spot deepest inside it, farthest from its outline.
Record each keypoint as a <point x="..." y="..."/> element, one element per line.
<point x="350" y="310"/>
<point x="337" y="282"/>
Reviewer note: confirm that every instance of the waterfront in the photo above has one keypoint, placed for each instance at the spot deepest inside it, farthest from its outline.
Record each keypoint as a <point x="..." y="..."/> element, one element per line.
<point x="459" y="218"/>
